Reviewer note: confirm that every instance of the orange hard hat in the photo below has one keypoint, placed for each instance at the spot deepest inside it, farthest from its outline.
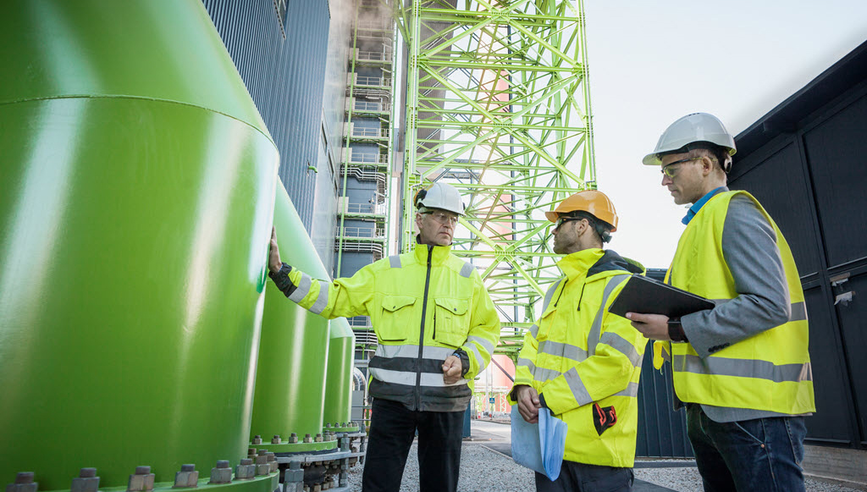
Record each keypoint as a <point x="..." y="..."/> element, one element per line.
<point x="593" y="202"/>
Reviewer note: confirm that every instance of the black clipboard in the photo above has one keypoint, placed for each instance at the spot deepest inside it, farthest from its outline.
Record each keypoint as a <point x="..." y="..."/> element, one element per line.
<point x="645" y="295"/>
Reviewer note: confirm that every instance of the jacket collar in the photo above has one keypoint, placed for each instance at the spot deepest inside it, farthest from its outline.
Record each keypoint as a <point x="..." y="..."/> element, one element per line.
<point x="576" y="264"/>
<point x="593" y="261"/>
<point x="440" y="253"/>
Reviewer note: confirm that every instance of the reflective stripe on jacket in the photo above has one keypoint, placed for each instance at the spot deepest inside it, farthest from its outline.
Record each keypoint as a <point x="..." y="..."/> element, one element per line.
<point x="423" y="306"/>
<point x="770" y="371"/>
<point x="578" y="356"/>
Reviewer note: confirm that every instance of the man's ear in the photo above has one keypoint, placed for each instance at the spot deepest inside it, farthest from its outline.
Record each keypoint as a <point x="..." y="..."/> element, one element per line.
<point x="418" y="218"/>
<point x="707" y="165"/>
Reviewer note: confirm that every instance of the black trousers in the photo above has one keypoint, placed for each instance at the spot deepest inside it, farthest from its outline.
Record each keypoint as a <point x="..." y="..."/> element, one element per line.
<point x="392" y="429"/>
<point x="579" y="477"/>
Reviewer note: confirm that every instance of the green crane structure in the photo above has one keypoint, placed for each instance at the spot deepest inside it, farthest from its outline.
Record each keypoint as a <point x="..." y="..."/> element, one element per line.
<point x="498" y="104"/>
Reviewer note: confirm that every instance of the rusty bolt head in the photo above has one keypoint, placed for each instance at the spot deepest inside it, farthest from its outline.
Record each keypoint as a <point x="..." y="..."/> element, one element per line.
<point x="142" y="470"/>
<point x="251" y="451"/>
<point x="87" y="473"/>
<point x="188" y="468"/>
<point x="24" y="477"/>
<point x="222" y="463"/>
<point x="246" y="461"/>
<point x="275" y="439"/>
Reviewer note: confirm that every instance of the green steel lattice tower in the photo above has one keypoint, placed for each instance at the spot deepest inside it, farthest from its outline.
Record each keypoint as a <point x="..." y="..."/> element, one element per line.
<point x="498" y="104"/>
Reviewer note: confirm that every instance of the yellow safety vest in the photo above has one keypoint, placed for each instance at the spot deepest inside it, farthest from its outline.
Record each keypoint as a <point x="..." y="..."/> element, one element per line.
<point x="423" y="306"/>
<point x="580" y="356"/>
<point x="770" y="371"/>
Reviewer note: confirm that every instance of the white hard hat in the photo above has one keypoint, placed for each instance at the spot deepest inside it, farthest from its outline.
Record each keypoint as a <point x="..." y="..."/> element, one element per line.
<point x="692" y="128"/>
<point x="440" y="195"/>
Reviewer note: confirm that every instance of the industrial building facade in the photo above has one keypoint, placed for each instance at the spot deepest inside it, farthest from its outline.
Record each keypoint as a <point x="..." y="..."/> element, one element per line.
<point x="804" y="162"/>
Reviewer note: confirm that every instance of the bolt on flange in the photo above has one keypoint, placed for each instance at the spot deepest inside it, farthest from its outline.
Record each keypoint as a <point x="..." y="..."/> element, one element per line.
<point x="222" y="473"/>
<point x="142" y="480"/>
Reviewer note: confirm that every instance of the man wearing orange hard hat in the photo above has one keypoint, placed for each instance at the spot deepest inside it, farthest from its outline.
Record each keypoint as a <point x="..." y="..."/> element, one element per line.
<point x="579" y="363"/>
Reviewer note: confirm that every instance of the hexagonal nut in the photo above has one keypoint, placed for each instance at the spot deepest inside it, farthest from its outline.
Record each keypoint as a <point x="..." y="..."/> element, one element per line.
<point x="221" y="475"/>
<point x="245" y="471"/>
<point x="292" y="476"/>
<point x="257" y="440"/>
<point x="141" y="482"/>
<point x="318" y="438"/>
<point x="85" y="484"/>
<point x="274" y="466"/>
<point x="263" y="469"/>
<point x="22" y="487"/>
<point x="186" y="478"/>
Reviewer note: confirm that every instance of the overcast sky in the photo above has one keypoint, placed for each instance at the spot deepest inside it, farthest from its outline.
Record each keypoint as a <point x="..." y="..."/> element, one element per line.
<point x="653" y="62"/>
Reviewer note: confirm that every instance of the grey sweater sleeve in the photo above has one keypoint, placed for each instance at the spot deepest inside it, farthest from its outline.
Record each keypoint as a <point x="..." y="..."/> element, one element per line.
<point x="753" y="258"/>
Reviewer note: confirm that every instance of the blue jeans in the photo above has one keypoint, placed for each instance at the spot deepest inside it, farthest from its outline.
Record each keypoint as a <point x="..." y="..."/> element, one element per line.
<point x="750" y="455"/>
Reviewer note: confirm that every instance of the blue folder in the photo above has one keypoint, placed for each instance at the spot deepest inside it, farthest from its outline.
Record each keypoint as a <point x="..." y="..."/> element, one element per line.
<point x="539" y="446"/>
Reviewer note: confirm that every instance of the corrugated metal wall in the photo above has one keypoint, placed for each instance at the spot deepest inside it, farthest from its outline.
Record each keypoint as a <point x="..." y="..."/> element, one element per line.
<point x="287" y="80"/>
<point x="805" y="162"/>
<point x="661" y="430"/>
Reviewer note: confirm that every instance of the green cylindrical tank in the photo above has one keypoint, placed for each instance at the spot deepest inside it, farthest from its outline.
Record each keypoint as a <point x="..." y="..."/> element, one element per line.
<point x="293" y="355"/>
<point x="137" y="195"/>
<point x="338" y="388"/>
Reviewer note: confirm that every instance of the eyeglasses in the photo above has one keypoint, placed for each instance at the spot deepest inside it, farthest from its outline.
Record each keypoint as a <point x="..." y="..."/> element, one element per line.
<point x="563" y="220"/>
<point x="444" y="218"/>
<point x="668" y="171"/>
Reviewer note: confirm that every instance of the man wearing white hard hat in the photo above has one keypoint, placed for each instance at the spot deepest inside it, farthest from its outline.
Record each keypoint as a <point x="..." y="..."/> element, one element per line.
<point x="436" y="329"/>
<point x="742" y="369"/>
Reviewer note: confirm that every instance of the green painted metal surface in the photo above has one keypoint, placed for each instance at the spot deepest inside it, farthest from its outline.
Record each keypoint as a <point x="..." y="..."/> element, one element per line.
<point x="155" y="50"/>
<point x="338" y="391"/>
<point x="290" y="383"/>
<point x="263" y="483"/>
<point x="136" y="205"/>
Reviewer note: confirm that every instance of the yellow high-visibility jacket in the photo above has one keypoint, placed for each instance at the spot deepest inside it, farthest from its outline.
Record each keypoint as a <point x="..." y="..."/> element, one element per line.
<point x="769" y="371"/>
<point x="585" y="362"/>
<point x="423" y="306"/>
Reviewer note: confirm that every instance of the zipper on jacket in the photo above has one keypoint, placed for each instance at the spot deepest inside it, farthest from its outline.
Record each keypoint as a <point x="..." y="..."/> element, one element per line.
<point x="421" y="332"/>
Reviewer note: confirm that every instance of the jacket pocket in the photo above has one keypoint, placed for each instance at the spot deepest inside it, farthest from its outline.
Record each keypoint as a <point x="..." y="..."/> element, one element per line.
<point x="396" y="318"/>
<point x="451" y="321"/>
<point x="544" y="323"/>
